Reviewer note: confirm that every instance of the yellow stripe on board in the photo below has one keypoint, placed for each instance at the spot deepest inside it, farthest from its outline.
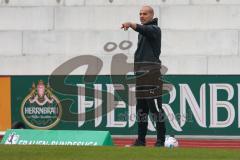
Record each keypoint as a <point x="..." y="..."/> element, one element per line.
<point x="5" y="103"/>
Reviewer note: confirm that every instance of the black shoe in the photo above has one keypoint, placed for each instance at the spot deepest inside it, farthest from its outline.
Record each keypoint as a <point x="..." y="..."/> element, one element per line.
<point x="138" y="143"/>
<point x="159" y="143"/>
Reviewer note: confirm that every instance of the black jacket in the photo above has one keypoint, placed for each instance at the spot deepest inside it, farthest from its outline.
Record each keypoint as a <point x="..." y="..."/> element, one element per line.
<point x="149" y="42"/>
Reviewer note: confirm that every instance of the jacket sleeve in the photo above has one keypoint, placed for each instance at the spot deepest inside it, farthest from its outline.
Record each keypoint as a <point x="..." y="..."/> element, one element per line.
<point x="147" y="30"/>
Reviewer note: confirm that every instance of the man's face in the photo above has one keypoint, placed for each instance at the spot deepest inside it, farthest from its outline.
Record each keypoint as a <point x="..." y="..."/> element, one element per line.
<point x="145" y="15"/>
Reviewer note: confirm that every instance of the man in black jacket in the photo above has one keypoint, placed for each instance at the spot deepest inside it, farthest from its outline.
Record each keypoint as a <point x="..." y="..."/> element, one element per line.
<point x="148" y="86"/>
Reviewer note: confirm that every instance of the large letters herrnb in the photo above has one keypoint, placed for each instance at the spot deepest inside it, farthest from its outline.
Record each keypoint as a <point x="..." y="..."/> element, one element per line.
<point x="193" y="104"/>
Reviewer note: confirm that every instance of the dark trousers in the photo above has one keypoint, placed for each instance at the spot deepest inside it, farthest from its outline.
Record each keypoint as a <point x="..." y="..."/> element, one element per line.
<point x="149" y="98"/>
<point x="155" y="107"/>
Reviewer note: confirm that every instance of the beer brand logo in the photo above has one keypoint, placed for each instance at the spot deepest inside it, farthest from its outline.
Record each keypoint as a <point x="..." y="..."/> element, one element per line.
<point x="41" y="109"/>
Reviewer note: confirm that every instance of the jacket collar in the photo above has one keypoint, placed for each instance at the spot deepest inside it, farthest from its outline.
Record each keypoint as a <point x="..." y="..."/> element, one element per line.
<point x="153" y="22"/>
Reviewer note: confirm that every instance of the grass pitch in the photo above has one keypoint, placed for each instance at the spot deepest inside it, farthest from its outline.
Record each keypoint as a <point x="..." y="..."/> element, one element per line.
<point x="19" y="152"/>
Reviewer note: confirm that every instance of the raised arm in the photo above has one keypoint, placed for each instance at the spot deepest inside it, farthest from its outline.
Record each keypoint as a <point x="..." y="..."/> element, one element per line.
<point x="145" y="30"/>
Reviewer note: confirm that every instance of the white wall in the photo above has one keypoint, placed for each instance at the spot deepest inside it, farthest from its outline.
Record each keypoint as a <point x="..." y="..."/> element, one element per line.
<point x="199" y="36"/>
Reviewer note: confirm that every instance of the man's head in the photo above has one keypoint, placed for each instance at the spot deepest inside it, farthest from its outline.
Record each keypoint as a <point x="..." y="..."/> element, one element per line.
<point x="146" y="14"/>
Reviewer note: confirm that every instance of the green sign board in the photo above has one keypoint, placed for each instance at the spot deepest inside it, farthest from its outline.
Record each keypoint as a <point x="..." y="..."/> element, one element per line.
<point x="193" y="104"/>
<point x="57" y="137"/>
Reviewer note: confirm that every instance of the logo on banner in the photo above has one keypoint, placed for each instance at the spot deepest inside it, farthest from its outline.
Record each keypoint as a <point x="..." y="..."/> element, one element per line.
<point x="12" y="138"/>
<point x="41" y="109"/>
